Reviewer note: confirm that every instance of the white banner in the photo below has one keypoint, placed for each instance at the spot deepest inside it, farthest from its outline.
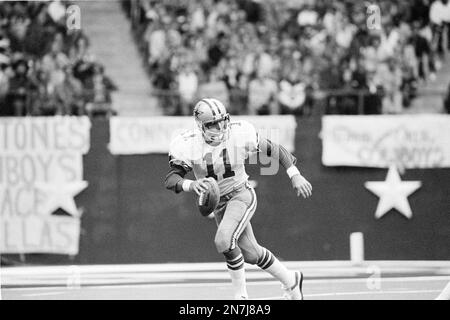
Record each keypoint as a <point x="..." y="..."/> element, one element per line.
<point x="411" y="141"/>
<point x="41" y="171"/>
<point x="59" y="235"/>
<point x="153" y="134"/>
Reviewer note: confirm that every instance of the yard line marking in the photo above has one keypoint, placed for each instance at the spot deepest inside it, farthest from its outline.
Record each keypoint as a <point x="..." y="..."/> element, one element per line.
<point x="92" y="282"/>
<point x="333" y="264"/>
<point x="226" y="284"/>
<point x="41" y="294"/>
<point x="350" y="293"/>
<point x="354" y="293"/>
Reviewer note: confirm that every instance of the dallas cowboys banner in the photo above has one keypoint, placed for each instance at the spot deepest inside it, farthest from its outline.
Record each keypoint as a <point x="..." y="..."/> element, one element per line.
<point x="41" y="171"/>
<point x="135" y="135"/>
<point x="410" y="141"/>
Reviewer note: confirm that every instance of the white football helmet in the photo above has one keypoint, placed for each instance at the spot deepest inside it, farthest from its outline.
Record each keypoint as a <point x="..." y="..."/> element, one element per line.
<point x="212" y="119"/>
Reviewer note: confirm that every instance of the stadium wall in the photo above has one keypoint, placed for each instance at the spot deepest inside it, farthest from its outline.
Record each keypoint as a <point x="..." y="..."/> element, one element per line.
<point x="130" y="218"/>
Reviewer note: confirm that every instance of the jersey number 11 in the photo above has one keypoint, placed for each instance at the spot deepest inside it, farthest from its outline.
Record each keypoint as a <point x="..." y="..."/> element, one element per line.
<point x="226" y="162"/>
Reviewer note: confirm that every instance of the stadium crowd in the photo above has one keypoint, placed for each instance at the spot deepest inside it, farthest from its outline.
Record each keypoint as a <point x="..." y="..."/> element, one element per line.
<point x="271" y="57"/>
<point x="47" y="68"/>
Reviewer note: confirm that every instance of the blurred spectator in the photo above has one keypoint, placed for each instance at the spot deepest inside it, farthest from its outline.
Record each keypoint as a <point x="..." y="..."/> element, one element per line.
<point x="187" y="88"/>
<point x="438" y="18"/>
<point x="389" y="77"/>
<point x="69" y="94"/>
<point x="38" y="36"/>
<point x="291" y="95"/>
<point x="99" y="88"/>
<point x="20" y="87"/>
<point x="423" y="52"/>
<point x="53" y="63"/>
<point x="215" y="87"/>
<point x="262" y="93"/>
<point x="57" y="11"/>
<point x="5" y="74"/>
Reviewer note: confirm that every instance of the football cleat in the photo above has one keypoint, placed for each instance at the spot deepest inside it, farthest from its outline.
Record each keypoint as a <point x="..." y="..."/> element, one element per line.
<point x="294" y="292"/>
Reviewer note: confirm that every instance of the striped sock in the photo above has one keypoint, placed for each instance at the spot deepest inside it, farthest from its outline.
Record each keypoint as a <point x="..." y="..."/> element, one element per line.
<point x="273" y="266"/>
<point x="235" y="264"/>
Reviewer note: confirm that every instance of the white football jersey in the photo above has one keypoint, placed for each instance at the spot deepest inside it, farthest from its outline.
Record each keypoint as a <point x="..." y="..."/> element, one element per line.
<point x="224" y="162"/>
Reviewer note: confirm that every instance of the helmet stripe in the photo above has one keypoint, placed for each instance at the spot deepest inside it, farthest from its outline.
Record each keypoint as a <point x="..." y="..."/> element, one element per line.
<point x="210" y="106"/>
<point x="217" y="106"/>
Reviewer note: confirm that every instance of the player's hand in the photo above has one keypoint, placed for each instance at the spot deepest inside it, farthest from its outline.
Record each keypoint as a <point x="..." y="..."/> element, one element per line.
<point x="301" y="186"/>
<point x="198" y="186"/>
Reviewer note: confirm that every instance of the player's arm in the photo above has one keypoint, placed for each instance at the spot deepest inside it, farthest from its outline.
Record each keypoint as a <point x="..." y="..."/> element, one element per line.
<point x="175" y="178"/>
<point x="288" y="162"/>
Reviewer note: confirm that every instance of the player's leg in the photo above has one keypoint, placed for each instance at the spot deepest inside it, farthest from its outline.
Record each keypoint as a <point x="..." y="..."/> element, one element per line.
<point x="266" y="260"/>
<point x="234" y="220"/>
<point x="445" y="294"/>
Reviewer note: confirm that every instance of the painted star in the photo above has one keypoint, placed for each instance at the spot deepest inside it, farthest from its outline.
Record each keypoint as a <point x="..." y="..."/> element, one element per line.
<point x="393" y="193"/>
<point x="60" y="195"/>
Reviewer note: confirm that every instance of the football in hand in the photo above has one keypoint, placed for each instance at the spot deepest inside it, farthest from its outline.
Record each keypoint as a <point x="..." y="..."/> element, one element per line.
<point x="207" y="201"/>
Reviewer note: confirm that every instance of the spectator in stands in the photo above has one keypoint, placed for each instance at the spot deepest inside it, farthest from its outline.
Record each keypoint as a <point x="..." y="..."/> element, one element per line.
<point x="214" y="87"/>
<point x="389" y="76"/>
<point x="38" y="36"/>
<point x="53" y="64"/>
<point x="5" y="73"/>
<point x="80" y="51"/>
<point x="262" y="93"/>
<point x="438" y="17"/>
<point x="44" y="100"/>
<point x="277" y="37"/>
<point x="20" y="86"/>
<point x="99" y="88"/>
<point x="57" y="12"/>
<point x="446" y="25"/>
<point x="236" y="83"/>
<point x="410" y="72"/>
<point x="423" y="51"/>
<point x="69" y="94"/>
<point x="187" y="88"/>
<point x="217" y="51"/>
<point x="18" y="25"/>
<point x="155" y="37"/>
<point x="292" y="94"/>
<point x="39" y="81"/>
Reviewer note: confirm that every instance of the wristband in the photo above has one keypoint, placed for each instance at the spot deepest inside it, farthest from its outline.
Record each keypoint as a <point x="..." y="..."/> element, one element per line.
<point x="186" y="185"/>
<point x="292" y="171"/>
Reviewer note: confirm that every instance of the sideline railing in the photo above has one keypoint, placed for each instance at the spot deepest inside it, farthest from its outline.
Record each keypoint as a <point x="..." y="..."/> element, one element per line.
<point x="330" y="101"/>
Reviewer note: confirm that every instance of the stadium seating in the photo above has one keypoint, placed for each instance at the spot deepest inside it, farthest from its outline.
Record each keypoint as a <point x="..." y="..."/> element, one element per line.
<point x="365" y="59"/>
<point x="46" y="68"/>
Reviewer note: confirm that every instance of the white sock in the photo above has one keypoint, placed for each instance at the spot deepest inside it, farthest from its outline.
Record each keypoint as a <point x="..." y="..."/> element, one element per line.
<point x="274" y="267"/>
<point x="237" y="274"/>
<point x="238" y="282"/>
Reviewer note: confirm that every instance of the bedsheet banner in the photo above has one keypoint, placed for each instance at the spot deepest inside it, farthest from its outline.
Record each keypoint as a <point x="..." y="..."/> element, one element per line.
<point x="411" y="141"/>
<point x="41" y="173"/>
<point x="134" y="135"/>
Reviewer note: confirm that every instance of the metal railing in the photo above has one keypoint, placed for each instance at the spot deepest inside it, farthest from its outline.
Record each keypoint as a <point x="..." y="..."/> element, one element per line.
<point x="360" y="98"/>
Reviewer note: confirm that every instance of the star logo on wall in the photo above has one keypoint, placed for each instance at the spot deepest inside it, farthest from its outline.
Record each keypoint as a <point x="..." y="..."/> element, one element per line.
<point x="61" y="195"/>
<point x="393" y="193"/>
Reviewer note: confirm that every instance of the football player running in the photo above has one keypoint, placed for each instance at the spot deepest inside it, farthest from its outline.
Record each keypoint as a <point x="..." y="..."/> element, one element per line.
<point x="218" y="149"/>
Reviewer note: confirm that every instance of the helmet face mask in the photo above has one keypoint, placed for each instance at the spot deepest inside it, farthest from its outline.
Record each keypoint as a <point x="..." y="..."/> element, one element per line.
<point x="215" y="131"/>
<point x="212" y="119"/>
